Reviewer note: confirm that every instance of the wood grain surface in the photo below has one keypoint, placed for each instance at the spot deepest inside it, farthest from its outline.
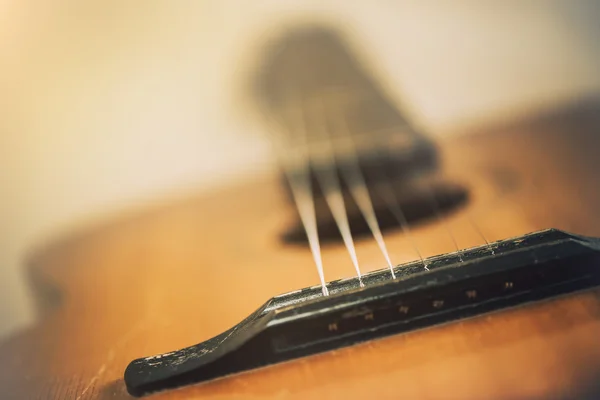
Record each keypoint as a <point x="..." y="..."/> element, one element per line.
<point x="176" y="275"/>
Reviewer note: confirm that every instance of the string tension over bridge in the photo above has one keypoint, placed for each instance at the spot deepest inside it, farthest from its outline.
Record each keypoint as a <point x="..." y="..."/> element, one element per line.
<point x="524" y="269"/>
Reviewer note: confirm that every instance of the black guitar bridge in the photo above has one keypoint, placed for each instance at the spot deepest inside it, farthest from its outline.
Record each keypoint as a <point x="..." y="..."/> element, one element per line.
<point x="297" y="324"/>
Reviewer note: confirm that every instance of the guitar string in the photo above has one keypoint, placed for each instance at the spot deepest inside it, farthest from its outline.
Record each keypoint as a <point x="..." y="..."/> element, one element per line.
<point x="325" y="166"/>
<point x="479" y="231"/>
<point x="353" y="176"/>
<point x="500" y="199"/>
<point x="435" y="206"/>
<point x="294" y="162"/>
<point x="328" y="179"/>
<point x="469" y="215"/>
<point x="382" y="185"/>
<point x="436" y="209"/>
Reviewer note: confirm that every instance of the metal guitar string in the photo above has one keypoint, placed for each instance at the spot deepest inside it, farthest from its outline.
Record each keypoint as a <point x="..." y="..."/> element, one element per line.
<point x="438" y="214"/>
<point x="297" y="160"/>
<point x="358" y="189"/>
<point x="324" y="164"/>
<point x="475" y="225"/>
<point x="386" y="191"/>
<point x="480" y="232"/>
<point x="294" y="160"/>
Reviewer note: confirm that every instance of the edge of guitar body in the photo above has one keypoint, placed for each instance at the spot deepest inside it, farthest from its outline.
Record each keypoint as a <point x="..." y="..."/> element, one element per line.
<point x="444" y="288"/>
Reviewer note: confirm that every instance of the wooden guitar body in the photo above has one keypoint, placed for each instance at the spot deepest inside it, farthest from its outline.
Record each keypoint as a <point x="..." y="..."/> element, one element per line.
<point x="174" y="276"/>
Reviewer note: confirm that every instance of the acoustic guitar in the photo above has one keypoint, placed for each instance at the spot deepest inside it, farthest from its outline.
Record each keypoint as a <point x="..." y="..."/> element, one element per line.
<point x="377" y="264"/>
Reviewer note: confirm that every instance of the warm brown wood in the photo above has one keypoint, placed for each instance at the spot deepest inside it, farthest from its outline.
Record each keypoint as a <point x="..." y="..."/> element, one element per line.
<point x="147" y="284"/>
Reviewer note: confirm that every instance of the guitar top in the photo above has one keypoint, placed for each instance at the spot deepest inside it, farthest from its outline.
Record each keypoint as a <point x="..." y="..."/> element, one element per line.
<point x="151" y="283"/>
<point x="465" y="293"/>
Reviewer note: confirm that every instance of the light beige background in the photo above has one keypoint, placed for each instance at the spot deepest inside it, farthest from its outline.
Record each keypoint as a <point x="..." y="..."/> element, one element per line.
<point x="107" y="105"/>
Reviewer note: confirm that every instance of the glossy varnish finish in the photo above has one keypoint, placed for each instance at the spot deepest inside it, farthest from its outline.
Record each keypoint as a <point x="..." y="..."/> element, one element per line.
<point x="175" y="276"/>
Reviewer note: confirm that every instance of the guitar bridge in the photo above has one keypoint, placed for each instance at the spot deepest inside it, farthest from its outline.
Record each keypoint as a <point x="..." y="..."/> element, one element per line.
<point x="529" y="268"/>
